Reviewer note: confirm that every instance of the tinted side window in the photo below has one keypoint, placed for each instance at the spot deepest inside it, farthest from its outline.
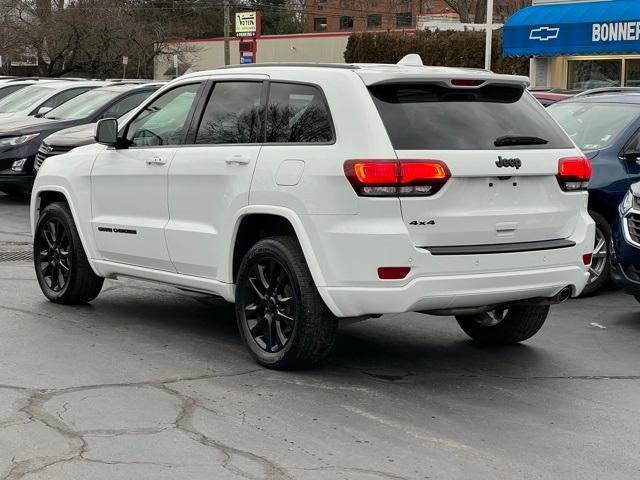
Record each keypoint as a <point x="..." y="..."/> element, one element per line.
<point x="297" y="114"/>
<point x="434" y="117"/>
<point x="233" y="114"/>
<point x="64" y="97"/>
<point x="164" y="121"/>
<point x="126" y="104"/>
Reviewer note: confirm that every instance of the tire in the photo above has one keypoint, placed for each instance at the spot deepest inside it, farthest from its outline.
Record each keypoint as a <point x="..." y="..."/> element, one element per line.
<point x="603" y="232"/>
<point x="282" y="319"/>
<point x="57" y="248"/>
<point x="512" y="325"/>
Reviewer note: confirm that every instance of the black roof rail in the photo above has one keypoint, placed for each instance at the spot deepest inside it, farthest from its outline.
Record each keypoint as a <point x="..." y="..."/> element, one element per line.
<point x="605" y="90"/>
<point x="128" y="81"/>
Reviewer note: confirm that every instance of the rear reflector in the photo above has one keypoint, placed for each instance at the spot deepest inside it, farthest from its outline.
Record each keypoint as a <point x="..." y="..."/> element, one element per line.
<point x="393" y="273"/>
<point x="385" y="178"/>
<point x="586" y="258"/>
<point x="574" y="173"/>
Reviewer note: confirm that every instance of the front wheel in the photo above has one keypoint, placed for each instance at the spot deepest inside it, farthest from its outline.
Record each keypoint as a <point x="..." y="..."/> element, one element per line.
<point x="281" y="317"/>
<point x="62" y="268"/>
<point x="506" y="325"/>
<point x="600" y="265"/>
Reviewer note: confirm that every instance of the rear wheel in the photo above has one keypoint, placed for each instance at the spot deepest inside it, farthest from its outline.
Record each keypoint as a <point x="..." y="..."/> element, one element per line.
<point x="600" y="266"/>
<point x="505" y="326"/>
<point x="281" y="317"/>
<point x="62" y="268"/>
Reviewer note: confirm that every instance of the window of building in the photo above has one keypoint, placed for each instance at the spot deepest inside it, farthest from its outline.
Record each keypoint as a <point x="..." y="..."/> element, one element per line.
<point x="234" y="114"/>
<point x="633" y="73"/>
<point x="346" y="22"/>
<point x="374" y="3"/>
<point x="320" y="24"/>
<point x="297" y="114"/>
<point x="403" y="19"/>
<point x="586" y="74"/>
<point x="374" y="20"/>
<point x="346" y="3"/>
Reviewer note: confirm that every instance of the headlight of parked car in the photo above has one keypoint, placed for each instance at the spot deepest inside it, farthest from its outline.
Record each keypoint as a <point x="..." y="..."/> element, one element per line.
<point x="17" y="140"/>
<point x="627" y="203"/>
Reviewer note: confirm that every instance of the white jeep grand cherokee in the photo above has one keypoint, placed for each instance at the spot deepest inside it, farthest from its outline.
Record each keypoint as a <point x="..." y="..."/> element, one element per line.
<point x="307" y="194"/>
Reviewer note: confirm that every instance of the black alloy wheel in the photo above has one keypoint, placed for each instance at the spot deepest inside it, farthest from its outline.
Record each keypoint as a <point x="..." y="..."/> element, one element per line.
<point x="54" y="255"/>
<point x="270" y="313"/>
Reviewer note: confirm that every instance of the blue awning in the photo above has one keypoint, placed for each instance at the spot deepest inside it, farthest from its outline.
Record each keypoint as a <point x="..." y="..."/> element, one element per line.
<point x="603" y="27"/>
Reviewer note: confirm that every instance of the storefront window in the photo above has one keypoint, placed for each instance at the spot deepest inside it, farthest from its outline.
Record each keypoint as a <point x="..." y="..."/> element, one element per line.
<point x="586" y="74"/>
<point x="633" y="73"/>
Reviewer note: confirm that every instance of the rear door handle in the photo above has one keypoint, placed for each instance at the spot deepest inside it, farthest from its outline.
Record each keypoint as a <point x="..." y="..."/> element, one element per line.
<point x="156" y="161"/>
<point x="239" y="160"/>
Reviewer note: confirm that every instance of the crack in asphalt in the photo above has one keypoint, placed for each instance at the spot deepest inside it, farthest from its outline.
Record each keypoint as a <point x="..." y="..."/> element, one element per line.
<point x="76" y="449"/>
<point x="336" y="469"/>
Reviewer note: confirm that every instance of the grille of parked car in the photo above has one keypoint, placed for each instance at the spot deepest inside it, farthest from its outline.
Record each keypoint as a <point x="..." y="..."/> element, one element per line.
<point x="633" y="224"/>
<point x="47" y="151"/>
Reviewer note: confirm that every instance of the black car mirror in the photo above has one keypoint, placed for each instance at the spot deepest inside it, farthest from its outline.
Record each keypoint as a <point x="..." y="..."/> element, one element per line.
<point x="631" y="155"/>
<point x="107" y="132"/>
<point x="42" y="111"/>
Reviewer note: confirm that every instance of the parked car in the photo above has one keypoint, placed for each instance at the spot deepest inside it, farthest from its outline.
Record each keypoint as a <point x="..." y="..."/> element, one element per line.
<point x="265" y="186"/>
<point x="547" y="98"/>
<point x="41" y="97"/>
<point x="78" y="136"/>
<point x="625" y="256"/>
<point x="7" y="88"/>
<point x="604" y="124"/>
<point x="20" y="140"/>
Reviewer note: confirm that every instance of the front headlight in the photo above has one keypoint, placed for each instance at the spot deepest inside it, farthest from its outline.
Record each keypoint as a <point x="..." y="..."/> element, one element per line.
<point x="627" y="203"/>
<point x="18" y="140"/>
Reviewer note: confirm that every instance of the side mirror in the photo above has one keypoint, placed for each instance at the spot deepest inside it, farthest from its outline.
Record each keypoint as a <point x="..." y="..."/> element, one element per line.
<point x="107" y="132"/>
<point x="631" y="155"/>
<point x="42" y="111"/>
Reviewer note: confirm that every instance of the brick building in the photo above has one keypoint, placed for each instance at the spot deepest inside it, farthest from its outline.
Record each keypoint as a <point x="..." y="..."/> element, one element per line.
<point x="359" y="15"/>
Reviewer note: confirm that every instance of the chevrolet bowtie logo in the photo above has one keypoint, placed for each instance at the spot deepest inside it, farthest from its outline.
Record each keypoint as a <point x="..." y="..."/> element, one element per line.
<point x="544" y="33"/>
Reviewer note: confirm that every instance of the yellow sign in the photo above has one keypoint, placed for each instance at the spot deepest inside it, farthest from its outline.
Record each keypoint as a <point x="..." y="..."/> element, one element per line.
<point x="246" y="23"/>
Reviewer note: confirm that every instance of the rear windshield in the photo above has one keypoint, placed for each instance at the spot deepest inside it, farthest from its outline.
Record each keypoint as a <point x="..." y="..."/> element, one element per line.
<point x="433" y="117"/>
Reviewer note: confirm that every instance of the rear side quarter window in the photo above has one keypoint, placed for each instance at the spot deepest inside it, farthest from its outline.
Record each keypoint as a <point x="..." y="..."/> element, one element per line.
<point x="297" y="113"/>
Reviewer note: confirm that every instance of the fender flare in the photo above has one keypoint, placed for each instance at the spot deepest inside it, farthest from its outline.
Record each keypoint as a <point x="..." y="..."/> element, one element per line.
<point x="36" y="194"/>
<point x="302" y="237"/>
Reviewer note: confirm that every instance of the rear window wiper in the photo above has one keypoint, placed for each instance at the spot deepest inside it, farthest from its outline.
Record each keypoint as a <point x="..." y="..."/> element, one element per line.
<point x="511" y="140"/>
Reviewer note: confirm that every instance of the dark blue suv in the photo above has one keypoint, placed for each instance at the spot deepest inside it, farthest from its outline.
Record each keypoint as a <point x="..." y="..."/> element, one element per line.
<point x="625" y="257"/>
<point x="605" y="124"/>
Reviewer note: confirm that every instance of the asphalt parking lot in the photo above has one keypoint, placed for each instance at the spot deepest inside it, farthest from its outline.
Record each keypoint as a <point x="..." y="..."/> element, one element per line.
<point x="149" y="382"/>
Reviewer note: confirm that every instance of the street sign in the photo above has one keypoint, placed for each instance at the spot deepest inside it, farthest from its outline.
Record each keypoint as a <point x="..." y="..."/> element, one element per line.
<point x="246" y="24"/>
<point x="125" y="60"/>
<point x="246" y="59"/>
<point x="175" y="62"/>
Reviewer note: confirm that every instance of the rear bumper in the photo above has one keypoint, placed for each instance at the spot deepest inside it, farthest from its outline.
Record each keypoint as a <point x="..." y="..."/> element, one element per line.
<point x="350" y="253"/>
<point x="459" y="291"/>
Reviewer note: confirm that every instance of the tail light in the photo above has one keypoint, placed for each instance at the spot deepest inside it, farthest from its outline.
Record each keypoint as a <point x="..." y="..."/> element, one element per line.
<point x="586" y="258"/>
<point x="393" y="273"/>
<point x="574" y="173"/>
<point x="392" y="178"/>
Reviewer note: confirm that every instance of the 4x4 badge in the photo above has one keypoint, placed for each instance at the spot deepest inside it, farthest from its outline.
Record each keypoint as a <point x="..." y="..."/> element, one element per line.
<point x="509" y="162"/>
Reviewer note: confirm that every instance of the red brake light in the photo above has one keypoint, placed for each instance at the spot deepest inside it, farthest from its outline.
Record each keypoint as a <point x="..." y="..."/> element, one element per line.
<point x="464" y="82"/>
<point x="586" y="258"/>
<point x="396" y="177"/>
<point x="393" y="273"/>
<point x="574" y="173"/>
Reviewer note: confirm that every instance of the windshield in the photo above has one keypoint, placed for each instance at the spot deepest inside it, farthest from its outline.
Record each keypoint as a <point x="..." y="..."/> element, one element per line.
<point x="83" y="105"/>
<point x="25" y="99"/>
<point x="593" y="125"/>
<point x="433" y="117"/>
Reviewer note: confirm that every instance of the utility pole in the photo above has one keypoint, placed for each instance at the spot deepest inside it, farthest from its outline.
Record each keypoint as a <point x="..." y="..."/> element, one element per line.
<point x="489" y="37"/>
<point x="227" y="21"/>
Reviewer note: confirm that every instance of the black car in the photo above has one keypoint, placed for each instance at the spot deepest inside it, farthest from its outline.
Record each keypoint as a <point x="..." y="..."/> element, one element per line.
<point x="74" y="137"/>
<point x="21" y="139"/>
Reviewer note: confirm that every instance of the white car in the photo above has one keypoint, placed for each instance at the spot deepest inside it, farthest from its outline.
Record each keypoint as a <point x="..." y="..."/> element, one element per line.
<point x="42" y="97"/>
<point x="307" y="194"/>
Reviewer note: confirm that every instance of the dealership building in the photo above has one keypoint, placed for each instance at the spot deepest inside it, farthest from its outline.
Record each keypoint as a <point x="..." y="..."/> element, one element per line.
<point x="578" y="45"/>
